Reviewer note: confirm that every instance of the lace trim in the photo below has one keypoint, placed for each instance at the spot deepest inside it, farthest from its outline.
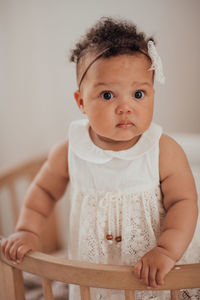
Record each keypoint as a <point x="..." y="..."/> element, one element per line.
<point x="139" y="221"/>
<point x="135" y="216"/>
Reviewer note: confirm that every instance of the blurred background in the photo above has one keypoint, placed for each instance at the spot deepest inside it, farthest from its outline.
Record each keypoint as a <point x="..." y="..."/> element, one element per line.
<point x="37" y="80"/>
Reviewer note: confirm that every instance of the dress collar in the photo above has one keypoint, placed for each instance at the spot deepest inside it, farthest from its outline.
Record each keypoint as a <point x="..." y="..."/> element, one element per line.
<point x="83" y="146"/>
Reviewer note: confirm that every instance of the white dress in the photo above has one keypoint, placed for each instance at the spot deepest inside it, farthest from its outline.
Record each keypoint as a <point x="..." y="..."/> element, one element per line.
<point x="116" y="193"/>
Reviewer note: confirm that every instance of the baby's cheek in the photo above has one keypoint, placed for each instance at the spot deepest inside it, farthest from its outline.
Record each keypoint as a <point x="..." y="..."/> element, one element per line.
<point x="146" y="118"/>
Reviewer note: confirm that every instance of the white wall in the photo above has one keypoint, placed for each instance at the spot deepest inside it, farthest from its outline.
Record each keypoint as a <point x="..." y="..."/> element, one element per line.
<point x="37" y="81"/>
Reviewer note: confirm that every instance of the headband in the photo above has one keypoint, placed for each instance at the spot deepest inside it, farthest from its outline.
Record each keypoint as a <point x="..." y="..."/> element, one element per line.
<point x="152" y="55"/>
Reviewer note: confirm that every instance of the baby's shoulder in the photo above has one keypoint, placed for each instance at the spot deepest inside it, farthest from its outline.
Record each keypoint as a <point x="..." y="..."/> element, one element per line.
<point x="58" y="158"/>
<point x="169" y="147"/>
<point x="171" y="155"/>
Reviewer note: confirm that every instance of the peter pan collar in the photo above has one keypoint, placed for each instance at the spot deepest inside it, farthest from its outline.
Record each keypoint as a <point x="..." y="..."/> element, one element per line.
<point x="81" y="143"/>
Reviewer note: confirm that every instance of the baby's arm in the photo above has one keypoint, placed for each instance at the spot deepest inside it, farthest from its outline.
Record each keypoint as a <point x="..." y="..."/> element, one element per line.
<point x="180" y="202"/>
<point x="47" y="187"/>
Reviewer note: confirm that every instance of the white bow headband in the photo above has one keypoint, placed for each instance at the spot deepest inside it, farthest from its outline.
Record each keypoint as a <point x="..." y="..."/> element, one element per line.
<point x="156" y="62"/>
<point x="152" y="54"/>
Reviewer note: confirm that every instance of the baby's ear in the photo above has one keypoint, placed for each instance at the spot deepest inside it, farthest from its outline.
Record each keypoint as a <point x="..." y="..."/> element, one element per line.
<point x="79" y="101"/>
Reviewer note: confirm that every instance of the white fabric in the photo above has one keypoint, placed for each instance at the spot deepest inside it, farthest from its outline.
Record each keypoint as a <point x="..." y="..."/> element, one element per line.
<point x="156" y="62"/>
<point x="115" y="192"/>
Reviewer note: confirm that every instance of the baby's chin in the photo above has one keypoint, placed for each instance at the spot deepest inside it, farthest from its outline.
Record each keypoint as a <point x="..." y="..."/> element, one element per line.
<point x="129" y="140"/>
<point x="127" y="137"/>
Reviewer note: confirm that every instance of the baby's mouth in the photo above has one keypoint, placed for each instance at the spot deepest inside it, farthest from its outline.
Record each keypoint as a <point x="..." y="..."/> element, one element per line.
<point x="125" y="124"/>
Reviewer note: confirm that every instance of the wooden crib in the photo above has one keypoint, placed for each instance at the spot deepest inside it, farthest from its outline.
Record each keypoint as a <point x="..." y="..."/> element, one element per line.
<point x="49" y="267"/>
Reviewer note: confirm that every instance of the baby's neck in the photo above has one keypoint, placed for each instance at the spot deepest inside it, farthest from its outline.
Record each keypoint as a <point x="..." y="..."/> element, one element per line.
<point x="109" y="144"/>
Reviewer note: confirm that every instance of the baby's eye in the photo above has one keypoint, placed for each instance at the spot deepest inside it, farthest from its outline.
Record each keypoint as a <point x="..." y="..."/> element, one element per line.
<point x="139" y="94"/>
<point x="107" y="95"/>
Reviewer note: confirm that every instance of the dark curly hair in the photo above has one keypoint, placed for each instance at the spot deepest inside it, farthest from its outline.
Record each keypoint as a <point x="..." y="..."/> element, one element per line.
<point x="115" y="35"/>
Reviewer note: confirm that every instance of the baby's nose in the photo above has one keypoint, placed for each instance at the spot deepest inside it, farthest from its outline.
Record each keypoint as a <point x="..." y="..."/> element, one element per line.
<point x="124" y="107"/>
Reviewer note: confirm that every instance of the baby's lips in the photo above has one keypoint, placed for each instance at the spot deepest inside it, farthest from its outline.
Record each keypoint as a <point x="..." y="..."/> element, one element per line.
<point x="124" y="125"/>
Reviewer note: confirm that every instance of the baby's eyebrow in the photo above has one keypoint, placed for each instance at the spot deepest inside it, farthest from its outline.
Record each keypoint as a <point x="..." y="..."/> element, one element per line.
<point x="103" y="83"/>
<point x="113" y="83"/>
<point x="141" y="83"/>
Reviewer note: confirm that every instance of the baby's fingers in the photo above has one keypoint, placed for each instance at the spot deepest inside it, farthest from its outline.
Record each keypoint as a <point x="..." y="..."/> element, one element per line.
<point x="21" y="252"/>
<point x="6" y="249"/>
<point x="161" y="275"/>
<point x="145" y="274"/>
<point x="13" y="250"/>
<point x="142" y="271"/>
<point x="152" y="277"/>
<point x="3" y="244"/>
<point x="138" y="269"/>
<point x="162" y="272"/>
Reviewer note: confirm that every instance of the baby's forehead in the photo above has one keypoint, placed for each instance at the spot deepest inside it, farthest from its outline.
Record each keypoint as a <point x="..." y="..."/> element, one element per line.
<point x="125" y="71"/>
<point x="122" y="58"/>
<point x="108" y="62"/>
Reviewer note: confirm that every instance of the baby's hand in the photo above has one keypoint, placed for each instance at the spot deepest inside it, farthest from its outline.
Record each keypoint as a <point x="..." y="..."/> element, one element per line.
<point x="153" y="267"/>
<point x="18" y="244"/>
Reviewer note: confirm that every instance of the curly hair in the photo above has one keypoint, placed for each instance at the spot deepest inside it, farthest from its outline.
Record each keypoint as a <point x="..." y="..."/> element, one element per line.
<point x="120" y="36"/>
<point x="115" y="36"/>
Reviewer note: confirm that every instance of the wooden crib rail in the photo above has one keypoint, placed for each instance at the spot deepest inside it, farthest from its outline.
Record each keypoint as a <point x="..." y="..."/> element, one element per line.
<point x="28" y="168"/>
<point x="86" y="275"/>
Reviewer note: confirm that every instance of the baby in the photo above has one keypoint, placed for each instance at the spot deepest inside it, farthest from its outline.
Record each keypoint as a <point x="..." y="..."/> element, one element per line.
<point x="133" y="196"/>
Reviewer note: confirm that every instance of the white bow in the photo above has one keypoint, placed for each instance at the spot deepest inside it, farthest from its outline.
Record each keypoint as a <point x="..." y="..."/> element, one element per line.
<point x="156" y="62"/>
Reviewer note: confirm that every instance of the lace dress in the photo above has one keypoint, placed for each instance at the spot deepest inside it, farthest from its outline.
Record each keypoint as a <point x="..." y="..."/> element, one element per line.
<point x="114" y="193"/>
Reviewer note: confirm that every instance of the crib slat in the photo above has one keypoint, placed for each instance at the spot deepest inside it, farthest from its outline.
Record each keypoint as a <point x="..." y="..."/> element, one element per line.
<point x="47" y="290"/>
<point x="85" y="293"/>
<point x="12" y="283"/>
<point x="175" y="295"/>
<point x="129" y="295"/>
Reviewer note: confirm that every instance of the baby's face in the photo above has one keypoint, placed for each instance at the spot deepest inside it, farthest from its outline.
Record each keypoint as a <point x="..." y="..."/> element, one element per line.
<point x="117" y="95"/>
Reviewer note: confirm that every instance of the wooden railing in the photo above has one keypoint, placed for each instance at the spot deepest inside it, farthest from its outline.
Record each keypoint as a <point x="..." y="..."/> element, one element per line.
<point x="86" y="275"/>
